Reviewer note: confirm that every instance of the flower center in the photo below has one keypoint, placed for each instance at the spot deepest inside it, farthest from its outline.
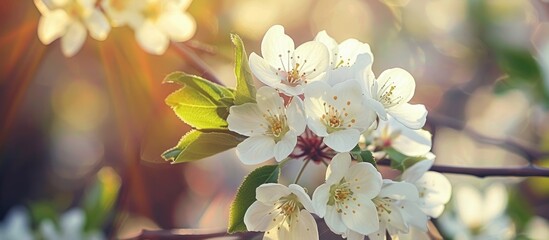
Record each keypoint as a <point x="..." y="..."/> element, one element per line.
<point x="292" y="75"/>
<point x="387" y="98"/>
<point x="152" y="11"/>
<point x="340" y="193"/>
<point x="278" y="125"/>
<point x="75" y="10"/>
<point x="119" y="5"/>
<point x="311" y="147"/>
<point x="289" y="206"/>
<point x="383" y="205"/>
<point x="334" y="119"/>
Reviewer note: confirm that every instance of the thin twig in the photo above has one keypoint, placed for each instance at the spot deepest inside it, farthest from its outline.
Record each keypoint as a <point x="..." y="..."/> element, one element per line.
<point x="196" y="62"/>
<point x="301" y="170"/>
<point x="526" y="171"/>
<point x="530" y="153"/>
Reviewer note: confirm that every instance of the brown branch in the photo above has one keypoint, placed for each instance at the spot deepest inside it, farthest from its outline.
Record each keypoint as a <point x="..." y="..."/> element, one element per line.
<point x="526" y="171"/>
<point x="529" y="152"/>
<point x="196" y="62"/>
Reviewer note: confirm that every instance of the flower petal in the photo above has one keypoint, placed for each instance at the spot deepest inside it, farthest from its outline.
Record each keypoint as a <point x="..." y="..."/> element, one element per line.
<point x="257" y="217"/>
<point x="52" y="26"/>
<point x="269" y="193"/>
<point x="495" y="201"/>
<point x="413" y="215"/>
<point x="305" y="228"/>
<point x="277" y="47"/>
<point x="268" y="100"/>
<point x="178" y="25"/>
<point x="377" y="107"/>
<point x="151" y="39"/>
<point x="338" y="168"/>
<point x="411" y="115"/>
<point x="399" y="82"/>
<point x="313" y="59"/>
<point x="352" y="235"/>
<point x="350" y="49"/>
<point x="296" y="116"/>
<point x="302" y="196"/>
<point x="399" y="191"/>
<point x="334" y="221"/>
<point x="361" y="216"/>
<point x="413" y="142"/>
<point x="285" y="146"/>
<point x="343" y="140"/>
<point x="364" y="179"/>
<point x="416" y="171"/>
<point x="73" y="39"/>
<point x="98" y="25"/>
<point x="263" y="71"/>
<point x="72" y="222"/>
<point x="255" y="150"/>
<point x="320" y="199"/>
<point x="469" y="204"/>
<point x="246" y="119"/>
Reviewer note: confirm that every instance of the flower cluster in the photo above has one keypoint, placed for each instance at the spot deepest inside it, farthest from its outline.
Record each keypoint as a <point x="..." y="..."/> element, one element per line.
<point x="155" y="22"/>
<point x="323" y="103"/>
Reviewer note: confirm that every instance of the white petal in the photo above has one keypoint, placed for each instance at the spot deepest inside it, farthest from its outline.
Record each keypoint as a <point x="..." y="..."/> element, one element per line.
<point x="411" y="115"/>
<point x="314" y="106"/>
<point x="246" y="119"/>
<point x="268" y="100"/>
<point x="73" y="221"/>
<point x="52" y="26"/>
<point x="328" y="41"/>
<point x="343" y="140"/>
<point x="257" y="217"/>
<point x="289" y="90"/>
<point x="377" y="107"/>
<point x="306" y="227"/>
<point x="436" y="191"/>
<point x="269" y="193"/>
<point x="379" y="234"/>
<point x="352" y="235"/>
<point x="399" y="191"/>
<point x="413" y="142"/>
<point x="179" y="26"/>
<point x="415" y="172"/>
<point x="255" y="150"/>
<point x="302" y="196"/>
<point x="320" y="199"/>
<point x="151" y="39"/>
<point x="296" y="116"/>
<point x="350" y="49"/>
<point x="73" y="39"/>
<point x="361" y="216"/>
<point x="338" y="168"/>
<point x="469" y="204"/>
<point x="334" y="221"/>
<point x="364" y="179"/>
<point x="414" y="216"/>
<point x="495" y="201"/>
<point x="48" y="231"/>
<point x="285" y="146"/>
<point x="313" y="59"/>
<point x="277" y="47"/>
<point x="402" y="81"/>
<point x="98" y="25"/>
<point x="263" y="71"/>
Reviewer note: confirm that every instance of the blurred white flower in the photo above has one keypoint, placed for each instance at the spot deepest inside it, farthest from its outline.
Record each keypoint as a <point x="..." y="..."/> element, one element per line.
<point x="71" y="227"/>
<point x="537" y="228"/>
<point x="16" y="225"/>
<point x="122" y="12"/>
<point x="69" y="20"/>
<point x="434" y="188"/>
<point x="393" y="134"/>
<point x="389" y="95"/>
<point x="282" y="213"/>
<point x="337" y="113"/>
<point x="478" y="216"/>
<point x="345" y="201"/>
<point x="285" y="67"/>
<point x="272" y="128"/>
<point x="398" y="210"/>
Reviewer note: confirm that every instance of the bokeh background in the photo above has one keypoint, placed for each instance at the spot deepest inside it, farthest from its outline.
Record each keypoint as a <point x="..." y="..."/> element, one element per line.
<point x="484" y="64"/>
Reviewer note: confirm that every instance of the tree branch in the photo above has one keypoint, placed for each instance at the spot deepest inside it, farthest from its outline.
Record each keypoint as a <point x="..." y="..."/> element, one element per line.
<point x="530" y="153"/>
<point x="526" y="171"/>
<point x="196" y="62"/>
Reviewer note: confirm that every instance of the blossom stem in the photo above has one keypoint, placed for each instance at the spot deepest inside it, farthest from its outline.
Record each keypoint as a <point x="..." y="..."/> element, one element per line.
<point x="301" y="171"/>
<point x="526" y="171"/>
<point x="196" y="62"/>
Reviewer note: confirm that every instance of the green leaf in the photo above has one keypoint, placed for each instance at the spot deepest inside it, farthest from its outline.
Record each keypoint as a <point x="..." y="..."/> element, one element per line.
<point x="198" y="144"/>
<point x="245" y="89"/>
<point x="245" y="195"/>
<point x="100" y="198"/>
<point x="363" y="156"/>
<point x="199" y="103"/>
<point x="400" y="161"/>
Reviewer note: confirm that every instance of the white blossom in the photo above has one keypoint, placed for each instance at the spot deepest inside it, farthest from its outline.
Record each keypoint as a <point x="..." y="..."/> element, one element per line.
<point x="345" y="199"/>
<point x="71" y="227"/>
<point x="393" y="134"/>
<point x="16" y="225"/>
<point x="272" y="128"/>
<point x="282" y="213"/>
<point x="70" y="20"/>
<point x="284" y="67"/>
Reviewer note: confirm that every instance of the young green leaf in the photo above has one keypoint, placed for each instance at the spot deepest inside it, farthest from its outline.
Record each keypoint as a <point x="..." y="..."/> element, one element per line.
<point x="100" y="198"/>
<point x="246" y="195"/>
<point x="400" y="161"/>
<point x="198" y="144"/>
<point x="199" y="103"/>
<point x="363" y="156"/>
<point x="245" y="89"/>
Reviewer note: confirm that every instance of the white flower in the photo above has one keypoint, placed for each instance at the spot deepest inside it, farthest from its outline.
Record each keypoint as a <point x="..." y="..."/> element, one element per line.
<point x="122" y="12"/>
<point x="71" y="227"/>
<point x="156" y="22"/>
<point x="537" y="228"/>
<point x="398" y="210"/>
<point x="68" y="20"/>
<point x="337" y="113"/>
<point x="16" y="225"/>
<point x="286" y="68"/>
<point x="434" y="188"/>
<point x="271" y="127"/>
<point x="345" y="200"/>
<point x="389" y="95"/>
<point x="393" y="134"/>
<point x="478" y="215"/>
<point x="282" y="213"/>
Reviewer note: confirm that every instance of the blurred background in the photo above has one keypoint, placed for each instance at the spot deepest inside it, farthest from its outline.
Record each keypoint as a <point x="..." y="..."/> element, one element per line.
<point x="86" y="132"/>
